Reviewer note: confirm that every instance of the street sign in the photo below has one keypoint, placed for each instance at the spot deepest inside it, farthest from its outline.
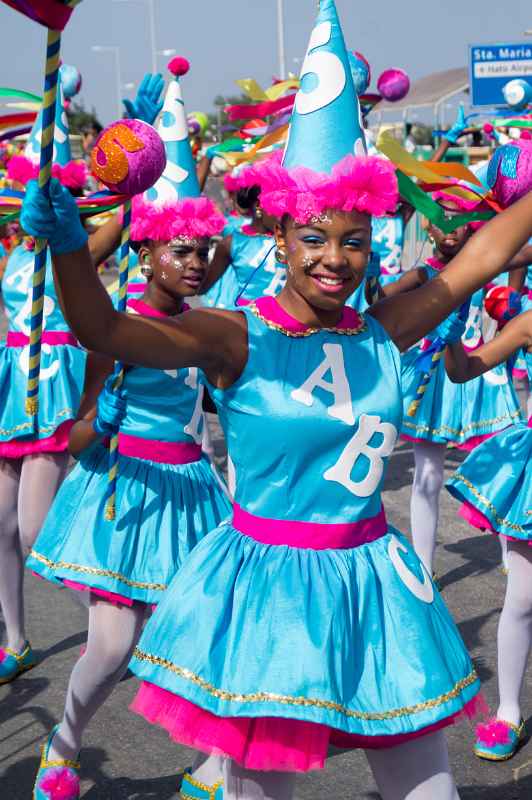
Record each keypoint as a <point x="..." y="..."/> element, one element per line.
<point x="491" y="66"/>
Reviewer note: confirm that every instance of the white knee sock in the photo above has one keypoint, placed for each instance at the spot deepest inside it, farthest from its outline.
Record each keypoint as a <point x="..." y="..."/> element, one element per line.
<point x="246" y="784"/>
<point x="40" y="478"/>
<point x="208" y="769"/>
<point x="416" y="770"/>
<point x="11" y="566"/>
<point x="424" y="504"/>
<point x="113" y="634"/>
<point x="515" y="631"/>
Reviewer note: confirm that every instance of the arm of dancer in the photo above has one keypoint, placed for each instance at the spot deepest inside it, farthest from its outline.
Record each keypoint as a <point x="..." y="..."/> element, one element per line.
<point x="521" y="260"/>
<point x="104" y="241"/>
<point x="202" y="170"/>
<point x="462" y="366"/>
<point x="517" y="278"/>
<point x="219" y="263"/>
<point x="82" y="436"/>
<point x="408" y="317"/>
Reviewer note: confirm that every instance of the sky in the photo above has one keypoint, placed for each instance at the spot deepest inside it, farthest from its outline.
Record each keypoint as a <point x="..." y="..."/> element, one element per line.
<point x="235" y="39"/>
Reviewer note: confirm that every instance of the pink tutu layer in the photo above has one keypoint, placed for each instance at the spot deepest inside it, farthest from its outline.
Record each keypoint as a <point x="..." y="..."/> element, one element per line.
<point x="264" y="743"/>
<point x="478" y="520"/>
<point x="115" y="599"/>
<point x="56" y="443"/>
<point x="468" y="445"/>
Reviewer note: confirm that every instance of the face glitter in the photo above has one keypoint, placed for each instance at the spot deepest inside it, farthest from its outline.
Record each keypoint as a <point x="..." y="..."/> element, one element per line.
<point x="164" y="276"/>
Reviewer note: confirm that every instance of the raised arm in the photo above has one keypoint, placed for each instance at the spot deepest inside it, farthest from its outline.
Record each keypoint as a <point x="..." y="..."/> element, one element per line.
<point x="462" y="366"/>
<point x="409" y="317"/>
<point x="218" y="265"/>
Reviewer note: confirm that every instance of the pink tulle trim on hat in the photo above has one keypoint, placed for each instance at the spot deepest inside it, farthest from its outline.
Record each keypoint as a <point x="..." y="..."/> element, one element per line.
<point x="366" y="184"/>
<point x="190" y="218"/>
<point x="251" y="175"/>
<point x="265" y="743"/>
<point x="73" y="175"/>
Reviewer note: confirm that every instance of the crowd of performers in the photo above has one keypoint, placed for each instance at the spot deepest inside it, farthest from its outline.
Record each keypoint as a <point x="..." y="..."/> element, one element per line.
<point x="271" y="620"/>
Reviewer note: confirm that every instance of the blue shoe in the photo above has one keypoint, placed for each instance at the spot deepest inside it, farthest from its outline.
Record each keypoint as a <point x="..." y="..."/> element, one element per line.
<point x="13" y="664"/>
<point x="192" y="789"/>
<point x="56" y="780"/>
<point x="498" y="740"/>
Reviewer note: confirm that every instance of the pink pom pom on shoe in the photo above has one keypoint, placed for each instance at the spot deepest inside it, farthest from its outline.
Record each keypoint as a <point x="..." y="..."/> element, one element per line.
<point x="3" y="655"/>
<point x="60" y="784"/>
<point x="179" y="66"/>
<point x="493" y="732"/>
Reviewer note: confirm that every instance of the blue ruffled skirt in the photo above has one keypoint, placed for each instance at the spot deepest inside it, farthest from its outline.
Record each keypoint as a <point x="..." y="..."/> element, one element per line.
<point x="358" y="640"/>
<point x="162" y="511"/>
<point x="496" y="482"/>
<point x="61" y="384"/>
<point x="458" y="412"/>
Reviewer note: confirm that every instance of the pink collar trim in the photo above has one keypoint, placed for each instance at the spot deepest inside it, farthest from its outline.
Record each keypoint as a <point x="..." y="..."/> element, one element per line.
<point x="249" y="230"/>
<point x="436" y="263"/>
<point x="147" y="311"/>
<point x="270" y="310"/>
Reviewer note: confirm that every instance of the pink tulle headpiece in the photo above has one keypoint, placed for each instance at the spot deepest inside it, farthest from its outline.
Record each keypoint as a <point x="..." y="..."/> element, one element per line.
<point x="72" y="175"/>
<point x="250" y="175"/>
<point x="366" y="184"/>
<point x="190" y="218"/>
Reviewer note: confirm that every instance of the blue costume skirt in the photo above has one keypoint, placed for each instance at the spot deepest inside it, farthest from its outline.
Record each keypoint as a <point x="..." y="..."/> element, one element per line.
<point x="60" y="387"/>
<point x="460" y="413"/>
<point x="495" y="484"/>
<point x="224" y="292"/>
<point x="267" y="652"/>
<point x="162" y="511"/>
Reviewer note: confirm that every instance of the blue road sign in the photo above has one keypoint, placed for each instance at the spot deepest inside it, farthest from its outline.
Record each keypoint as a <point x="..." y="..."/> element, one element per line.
<point x="491" y="66"/>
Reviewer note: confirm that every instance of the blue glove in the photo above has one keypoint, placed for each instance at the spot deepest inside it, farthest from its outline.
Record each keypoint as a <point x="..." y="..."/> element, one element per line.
<point x="451" y="329"/>
<point x="111" y="409"/>
<point x="55" y="218"/>
<point x="460" y="124"/>
<point x="373" y="270"/>
<point x="147" y="104"/>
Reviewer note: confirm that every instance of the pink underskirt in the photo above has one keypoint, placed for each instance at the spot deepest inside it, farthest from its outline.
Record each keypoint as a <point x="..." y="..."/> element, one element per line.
<point x="264" y="743"/>
<point x="312" y="535"/>
<point x="477" y="519"/>
<point x="468" y="445"/>
<point x="111" y="597"/>
<point x="52" y="338"/>
<point x="56" y="443"/>
<point x="241" y="301"/>
<point x="160" y="452"/>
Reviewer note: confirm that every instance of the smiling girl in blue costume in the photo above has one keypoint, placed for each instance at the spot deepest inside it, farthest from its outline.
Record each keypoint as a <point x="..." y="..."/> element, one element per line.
<point x="308" y="619"/>
<point x="167" y="494"/>
<point x="33" y="450"/>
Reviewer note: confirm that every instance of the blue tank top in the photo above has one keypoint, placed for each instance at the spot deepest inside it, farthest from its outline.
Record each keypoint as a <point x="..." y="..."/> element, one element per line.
<point x="313" y="418"/>
<point x="257" y="270"/>
<point x="162" y="405"/>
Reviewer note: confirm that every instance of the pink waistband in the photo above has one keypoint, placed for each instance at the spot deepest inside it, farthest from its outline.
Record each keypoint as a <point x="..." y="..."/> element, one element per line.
<point x="53" y="338"/>
<point x="162" y="452"/>
<point x="311" y="535"/>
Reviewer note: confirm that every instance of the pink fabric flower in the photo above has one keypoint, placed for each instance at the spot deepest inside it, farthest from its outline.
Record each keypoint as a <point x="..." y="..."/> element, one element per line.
<point x="3" y="655"/>
<point x="60" y="784"/>
<point x="493" y="732"/>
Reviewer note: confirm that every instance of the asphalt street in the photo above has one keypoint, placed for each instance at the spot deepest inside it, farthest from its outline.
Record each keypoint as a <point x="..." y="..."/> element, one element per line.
<point x="124" y="758"/>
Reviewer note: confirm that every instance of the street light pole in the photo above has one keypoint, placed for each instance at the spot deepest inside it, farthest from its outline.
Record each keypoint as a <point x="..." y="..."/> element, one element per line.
<point x="151" y="12"/>
<point x="280" y="39"/>
<point x="115" y="50"/>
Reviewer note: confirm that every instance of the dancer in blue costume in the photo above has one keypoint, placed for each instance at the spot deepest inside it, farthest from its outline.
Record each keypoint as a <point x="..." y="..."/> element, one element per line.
<point x="168" y="495"/>
<point x="33" y="451"/>
<point x="247" y="255"/>
<point x="495" y="487"/>
<point x="311" y="402"/>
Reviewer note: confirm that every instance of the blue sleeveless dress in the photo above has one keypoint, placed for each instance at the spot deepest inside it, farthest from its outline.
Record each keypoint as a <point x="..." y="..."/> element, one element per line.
<point x="307" y="613"/>
<point x="255" y="270"/>
<point x="494" y="483"/>
<point x="168" y="496"/>
<point x="459" y="414"/>
<point x="62" y="366"/>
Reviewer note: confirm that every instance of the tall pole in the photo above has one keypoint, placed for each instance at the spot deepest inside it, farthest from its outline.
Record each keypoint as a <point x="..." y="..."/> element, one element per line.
<point x="280" y="38"/>
<point x="118" y="80"/>
<point x="151" y="5"/>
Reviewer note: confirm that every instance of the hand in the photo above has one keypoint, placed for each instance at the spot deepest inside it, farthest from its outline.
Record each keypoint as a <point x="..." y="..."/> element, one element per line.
<point x="451" y="330"/>
<point x="54" y="217"/>
<point x="147" y="104"/>
<point x="373" y="270"/>
<point x="111" y="409"/>
<point x="459" y="127"/>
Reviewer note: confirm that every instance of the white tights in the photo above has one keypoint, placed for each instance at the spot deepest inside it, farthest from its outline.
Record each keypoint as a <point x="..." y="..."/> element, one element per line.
<point x="27" y="488"/>
<point x="515" y="631"/>
<point x="424" y="505"/>
<point x="416" y="770"/>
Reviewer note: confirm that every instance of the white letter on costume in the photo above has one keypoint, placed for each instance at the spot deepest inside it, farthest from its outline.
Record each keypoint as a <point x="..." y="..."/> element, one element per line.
<point x="339" y="387"/>
<point x="423" y="590"/>
<point x="359" y="446"/>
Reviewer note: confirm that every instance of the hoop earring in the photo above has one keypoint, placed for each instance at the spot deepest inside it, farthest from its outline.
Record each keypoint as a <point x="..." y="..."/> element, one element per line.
<point x="280" y="255"/>
<point x="147" y="271"/>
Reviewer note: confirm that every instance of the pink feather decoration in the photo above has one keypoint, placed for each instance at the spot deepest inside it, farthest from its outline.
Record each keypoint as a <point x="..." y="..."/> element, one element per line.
<point x="179" y="66"/>
<point x="73" y="175"/>
<point x="190" y="218"/>
<point x="493" y="732"/>
<point x="60" y="784"/>
<point x="366" y="184"/>
<point x="21" y="169"/>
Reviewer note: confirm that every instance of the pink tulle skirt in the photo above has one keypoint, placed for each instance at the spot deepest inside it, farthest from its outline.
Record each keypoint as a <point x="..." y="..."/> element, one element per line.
<point x="468" y="446"/>
<point x="478" y="520"/>
<point x="264" y="743"/>
<point x="56" y="443"/>
<point x="111" y="597"/>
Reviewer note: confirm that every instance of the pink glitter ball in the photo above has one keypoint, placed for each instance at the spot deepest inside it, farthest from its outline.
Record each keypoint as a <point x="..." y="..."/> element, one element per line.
<point x="128" y="157"/>
<point x="393" y="85"/>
